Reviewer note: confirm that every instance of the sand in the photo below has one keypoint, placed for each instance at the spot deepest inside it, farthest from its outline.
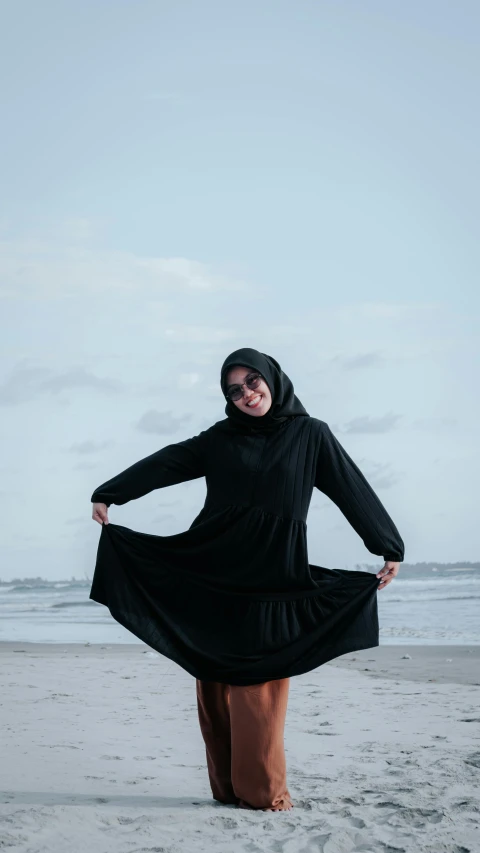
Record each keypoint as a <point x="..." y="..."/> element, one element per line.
<point x="436" y="664"/>
<point x="101" y="751"/>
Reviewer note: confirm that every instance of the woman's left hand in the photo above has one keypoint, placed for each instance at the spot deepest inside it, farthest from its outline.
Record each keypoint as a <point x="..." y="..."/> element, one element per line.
<point x="388" y="573"/>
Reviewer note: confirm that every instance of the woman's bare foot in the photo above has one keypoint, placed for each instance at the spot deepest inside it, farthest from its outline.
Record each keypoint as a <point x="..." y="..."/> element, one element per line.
<point x="284" y="806"/>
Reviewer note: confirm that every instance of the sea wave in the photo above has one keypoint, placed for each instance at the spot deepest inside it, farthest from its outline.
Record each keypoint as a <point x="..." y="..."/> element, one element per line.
<point x="426" y="598"/>
<point x="42" y="607"/>
<point x="441" y="582"/>
<point x="42" y="587"/>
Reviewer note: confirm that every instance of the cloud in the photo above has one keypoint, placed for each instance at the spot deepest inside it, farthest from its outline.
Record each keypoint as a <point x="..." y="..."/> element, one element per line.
<point x="187" y="380"/>
<point x="434" y="423"/>
<point x="334" y="527"/>
<point x="162" y="519"/>
<point x="89" y="446"/>
<point x="379" y="474"/>
<point x="368" y="424"/>
<point x="368" y="359"/>
<point x="284" y="334"/>
<point x="45" y="269"/>
<point x="76" y="230"/>
<point x="160" y="96"/>
<point x="206" y="423"/>
<point x="160" y="423"/>
<point x="319" y="504"/>
<point x="199" y="334"/>
<point x="192" y="366"/>
<point x="85" y="466"/>
<point x="380" y="310"/>
<point x="79" y="520"/>
<point x="27" y="383"/>
<point x="259" y="336"/>
<point x="78" y="377"/>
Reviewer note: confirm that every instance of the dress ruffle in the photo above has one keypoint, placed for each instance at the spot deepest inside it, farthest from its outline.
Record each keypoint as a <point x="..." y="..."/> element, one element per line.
<point x="232" y="633"/>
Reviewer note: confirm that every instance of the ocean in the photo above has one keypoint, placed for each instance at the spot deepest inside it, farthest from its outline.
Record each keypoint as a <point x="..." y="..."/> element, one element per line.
<point x="435" y="608"/>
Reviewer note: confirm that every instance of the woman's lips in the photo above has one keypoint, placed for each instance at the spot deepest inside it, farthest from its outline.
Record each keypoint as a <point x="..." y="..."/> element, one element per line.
<point x="254" y="406"/>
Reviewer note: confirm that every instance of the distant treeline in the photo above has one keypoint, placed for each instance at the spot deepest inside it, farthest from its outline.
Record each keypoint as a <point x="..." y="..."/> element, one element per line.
<point x="366" y="567"/>
<point x="425" y="566"/>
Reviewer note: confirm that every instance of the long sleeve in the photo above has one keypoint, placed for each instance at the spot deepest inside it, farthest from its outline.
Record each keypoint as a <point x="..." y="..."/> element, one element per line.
<point x="338" y="477"/>
<point x="175" y="463"/>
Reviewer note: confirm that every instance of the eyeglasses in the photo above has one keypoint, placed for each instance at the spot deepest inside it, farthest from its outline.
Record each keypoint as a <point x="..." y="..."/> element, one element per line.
<point x="252" y="381"/>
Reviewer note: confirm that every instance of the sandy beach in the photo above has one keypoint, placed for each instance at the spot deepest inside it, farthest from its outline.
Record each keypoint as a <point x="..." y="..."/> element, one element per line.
<point x="101" y="750"/>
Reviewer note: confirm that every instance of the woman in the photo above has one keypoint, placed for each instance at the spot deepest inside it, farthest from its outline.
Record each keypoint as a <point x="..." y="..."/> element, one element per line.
<point x="234" y="600"/>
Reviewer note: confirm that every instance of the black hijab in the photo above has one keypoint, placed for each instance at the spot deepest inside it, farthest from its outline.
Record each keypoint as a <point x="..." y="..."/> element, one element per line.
<point x="285" y="405"/>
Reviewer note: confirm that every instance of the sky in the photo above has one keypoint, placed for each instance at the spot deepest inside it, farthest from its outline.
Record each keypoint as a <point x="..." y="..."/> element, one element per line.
<point x="180" y="179"/>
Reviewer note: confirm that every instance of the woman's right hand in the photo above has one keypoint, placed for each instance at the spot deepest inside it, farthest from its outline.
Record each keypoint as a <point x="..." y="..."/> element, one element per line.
<point x="100" y="513"/>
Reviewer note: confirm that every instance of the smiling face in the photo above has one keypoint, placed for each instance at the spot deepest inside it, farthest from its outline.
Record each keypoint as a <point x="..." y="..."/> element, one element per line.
<point x="236" y="376"/>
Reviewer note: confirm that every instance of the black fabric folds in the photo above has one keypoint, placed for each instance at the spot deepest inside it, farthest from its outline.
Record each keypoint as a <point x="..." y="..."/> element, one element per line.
<point x="234" y="598"/>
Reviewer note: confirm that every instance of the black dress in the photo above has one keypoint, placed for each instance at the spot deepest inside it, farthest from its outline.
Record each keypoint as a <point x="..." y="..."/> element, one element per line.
<point x="234" y="598"/>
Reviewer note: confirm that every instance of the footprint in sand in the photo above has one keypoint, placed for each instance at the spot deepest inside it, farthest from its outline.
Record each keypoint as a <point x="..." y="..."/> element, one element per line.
<point x="350" y="801"/>
<point x="315" y="732"/>
<point x="223" y="822"/>
<point x="312" y="804"/>
<point x="417" y="818"/>
<point x="357" y="822"/>
<point x="151" y="850"/>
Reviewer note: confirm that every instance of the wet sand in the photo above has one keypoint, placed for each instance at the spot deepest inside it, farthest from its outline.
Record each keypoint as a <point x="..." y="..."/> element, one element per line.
<point x="436" y="664"/>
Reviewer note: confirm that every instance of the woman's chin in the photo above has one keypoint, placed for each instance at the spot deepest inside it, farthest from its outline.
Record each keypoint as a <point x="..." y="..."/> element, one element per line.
<point x="258" y="413"/>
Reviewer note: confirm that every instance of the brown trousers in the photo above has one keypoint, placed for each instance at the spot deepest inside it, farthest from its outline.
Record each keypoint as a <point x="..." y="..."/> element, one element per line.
<point x="243" y="730"/>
